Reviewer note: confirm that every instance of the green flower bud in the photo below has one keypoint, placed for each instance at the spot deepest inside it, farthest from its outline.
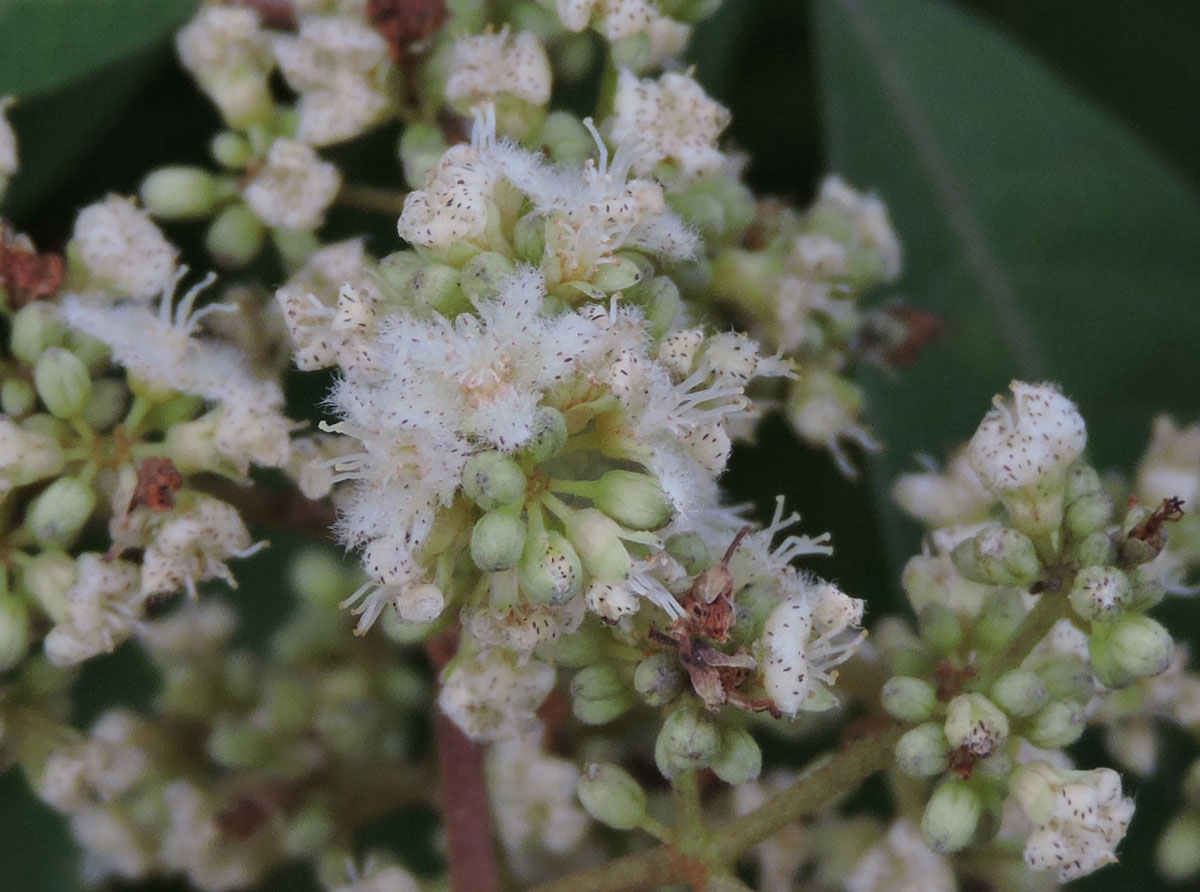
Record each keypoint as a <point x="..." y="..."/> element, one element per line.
<point x="690" y="550"/>
<point x="688" y="741"/>
<point x="17" y="398"/>
<point x="550" y="570"/>
<point x="47" y="577"/>
<point x="239" y="746"/>
<point x="179" y="193"/>
<point x="583" y="648"/>
<point x="492" y="480"/>
<point x="752" y="604"/>
<point x="975" y="723"/>
<point x="923" y="751"/>
<point x="565" y="139"/>
<point x="612" y="796"/>
<point x="661" y="301"/>
<point x="573" y="57"/>
<point x="1100" y="593"/>
<point x="14" y="631"/>
<point x="1001" y="614"/>
<point x="92" y="352"/>
<point x="940" y="629"/>
<point x="1177" y="852"/>
<point x="1089" y="513"/>
<point x="1147" y="589"/>
<point x="632" y="52"/>
<point x="739" y="760"/>
<point x="998" y="556"/>
<point x="1096" y="549"/>
<point x="1060" y="724"/>
<point x="1066" y="678"/>
<point x="35" y="327"/>
<point x="319" y="577"/>
<point x="308" y="830"/>
<point x="908" y="699"/>
<point x="616" y="274"/>
<point x="659" y="679"/>
<point x="549" y="434"/>
<point x="951" y="816"/>
<point x="59" y="512"/>
<point x="1020" y="693"/>
<point x="497" y="541"/>
<point x="597" y="541"/>
<point x="438" y="286"/>
<point x="107" y="405"/>
<point x="704" y="212"/>
<point x="599" y="694"/>
<point x="420" y="149"/>
<point x="483" y="275"/>
<point x="634" y="500"/>
<point x="1141" y="646"/>
<point x="62" y="382"/>
<point x="231" y="150"/>
<point x="1082" y="479"/>
<point x="529" y="237"/>
<point x="235" y="236"/>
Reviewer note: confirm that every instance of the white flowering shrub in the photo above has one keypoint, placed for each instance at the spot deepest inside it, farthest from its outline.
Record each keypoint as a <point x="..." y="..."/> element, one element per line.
<point x="467" y="431"/>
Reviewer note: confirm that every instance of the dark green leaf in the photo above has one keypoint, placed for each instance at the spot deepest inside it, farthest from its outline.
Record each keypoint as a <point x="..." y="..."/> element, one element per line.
<point x="1056" y="245"/>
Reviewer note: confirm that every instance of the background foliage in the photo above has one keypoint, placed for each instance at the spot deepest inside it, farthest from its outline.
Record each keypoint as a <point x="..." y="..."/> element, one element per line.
<point x="1040" y="161"/>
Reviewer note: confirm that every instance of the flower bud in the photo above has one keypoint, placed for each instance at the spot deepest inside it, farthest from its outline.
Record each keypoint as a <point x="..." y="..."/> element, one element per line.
<point x="660" y="301"/>
<point x="14" y="631"/>
<point x="179" y="193"/>
<point x="612" y="796"/>
<point x="690" y="550"/>
<point x="975" y="723"/>
<point x="633" y="52"/>
<point x="549" y="434"/>
<point x="599" y="694"/>
<point x="1001" y="615"/>
<point x="1089" y="513"/>
<point x="658" y="679"/>
<point x="420" y="149"/>
<point x="1177" y="853"/>
<point x="529" y="237"/>
<point x="940" y="629"/>
<point x="107" y="404"/>
<point x="497" y="541"/>
<point x="616" y="274"/>
<point x="1141" y="646"/>
<point x="62" y="382"/>
<point x="998" y="555"/>
<point x="951" y="816"/>
<point x="1100" y="593"/>
<point x="752" y="606"/>
<point x="551" y="572"/>
<point x="17" y="398"/>
<point x="59" y="512"/>
<point x="1060" y="724"/>
<point x="239" y="746"/>
<point x="565" y="139"/>
<point x="483" y="275"/>
<point x="235" y="236"/>
<point x="1020" y="693"/>
<point x="597" y="541"/>
<point x="923" y="751"/>
<point x="35" y="327"/>
<point x="704" y="212"/>
<point x="231" y="150"/>
<point x="492" y="480"/>
<point x="1147" y="589"/>
<point x="1095" y="549"/>
<point x="1082" y="479"/>
<point x="908" y="699"/>
<point x="47" y="577"/>
<point x="437" y="285"/>
<point x="689" y="740"/>
<point x="586" y="646"/>
<point x="420" y="603"/>
<point x="634" y="500"/>
<point x="739" y="760"/>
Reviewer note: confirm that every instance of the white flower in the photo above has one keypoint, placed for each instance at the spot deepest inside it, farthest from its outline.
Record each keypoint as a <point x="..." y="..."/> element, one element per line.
<point x="192" y="545"/>
<point x="193" y="843"/>
<point x="123" y="249"/>
<point x="902" y="862"/>
<point x="491" y="696"/>
<point x="618" y="19"/>
<point x="229" y="54"/>
<point x="1079" y="817"/>
<point x="26" y="456"/>
<point x="340" y="68"/>
<point x="293" y="187"/>
<point x="533" y="795"/>
<point x="670" y="119"/>
<point x="453" y="206"/>
<point x="484" y="65"/>
<point x="1170" y="467"/>
<point x="870" y="228"/>
<point x="102" y="608"/>
<point x="941" y="498"/>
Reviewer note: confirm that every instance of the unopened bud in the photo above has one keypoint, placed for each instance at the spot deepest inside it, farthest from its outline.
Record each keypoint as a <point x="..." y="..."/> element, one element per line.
<point x="231" y="150"/>
<point x="1100" y="593"/>
<point x="1020" y="693"/>
<point x="59" y="512"/>
<point x="975" y="723"/>
<point x="1177" y="853"/>
<point x="308" y="830"/>
<point x="239" y="746"/>
<point x="998" y="555"/>
<point x="17" y="398"/>
<point x="14" y="631"/>
<point x="660" y="300"/>
<point x="483" y="275"/>
<point x="658" y="679"/>
<point x="752" y="605"/>
<point x="923" y="751"/>
<point x="62" y="382"/>
<point x="1147" y="589"/>
<point x="689" y="740"/>
<point x="616" y="274"/>
<point x="549" y="434"/>
<point x="551" y="572"/>
<point x="908" y="699"/>
<point x="597" y="541"/>
<point x="1089" y="513"/>
<point x="690" y="550"/>
<point x="492" y="480"/>
<point x="420" y="603"/>
<point x="35" y="327"/>
<point x="1001" y="615"/>
<point x="951" y="817"/>
<point x="529" y="237"/>
<point x="437" y="285"/>
<point x="107" y="404"/>
<point x="421" y="148"/>
<point x="940" y="629"/>
<point x="1096" y="549"/>
<point x="47" y="577"/>
<point x="634" y="500"/>
<point x="497" y="541"/>
<point x="633" y="52"/>
<point x="179" y="193"/>
<point x="235" y="236"/>
<point x="599" y="694"/>
<point x="1141" y="646"/>
<point x="1060" y="724"/>
<point x="612" y="796"/>
<point x="739" y="760"/>
<point x="704" y="212"/>
<point x="1082" y="479"/>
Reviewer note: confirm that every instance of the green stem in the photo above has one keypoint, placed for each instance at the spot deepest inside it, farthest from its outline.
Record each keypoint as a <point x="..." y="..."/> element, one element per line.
<point x="690" y="835"/>
<point x="645" y="870"/>
<point x="1050" y="608"/>
<point x="372" y="198"/>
